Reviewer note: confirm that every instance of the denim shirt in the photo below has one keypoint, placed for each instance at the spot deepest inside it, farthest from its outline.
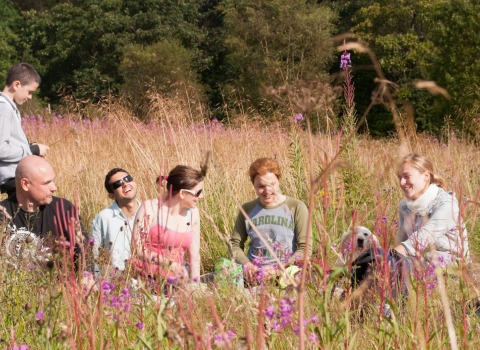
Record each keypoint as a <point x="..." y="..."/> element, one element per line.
<point x="113" y="231"/>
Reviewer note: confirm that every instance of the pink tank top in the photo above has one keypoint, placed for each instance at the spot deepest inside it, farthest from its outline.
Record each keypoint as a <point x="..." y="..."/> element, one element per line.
<point x="166" y="243"/>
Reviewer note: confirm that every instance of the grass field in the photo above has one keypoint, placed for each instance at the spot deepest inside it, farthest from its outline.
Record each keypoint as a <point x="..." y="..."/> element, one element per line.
<point x="48" y="309"/>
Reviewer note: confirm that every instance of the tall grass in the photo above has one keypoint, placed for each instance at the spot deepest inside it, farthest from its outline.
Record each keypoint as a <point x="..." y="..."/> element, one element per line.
<point x="47" y="308"/>
<point x="362" y="190"/>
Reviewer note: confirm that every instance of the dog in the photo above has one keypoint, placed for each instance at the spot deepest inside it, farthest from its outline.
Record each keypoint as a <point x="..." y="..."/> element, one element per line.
<point x="355" y="242"/>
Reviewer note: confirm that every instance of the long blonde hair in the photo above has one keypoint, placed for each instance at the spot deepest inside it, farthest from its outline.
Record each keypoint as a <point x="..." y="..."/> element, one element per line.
<point x="422" y="164"/>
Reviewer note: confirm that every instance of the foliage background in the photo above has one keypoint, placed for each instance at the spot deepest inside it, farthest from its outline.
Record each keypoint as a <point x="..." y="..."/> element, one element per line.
<point x="224" y="52"/>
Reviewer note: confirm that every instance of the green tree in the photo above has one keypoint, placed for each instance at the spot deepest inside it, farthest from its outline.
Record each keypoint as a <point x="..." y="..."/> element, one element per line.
<point x="9" y="19"/>
<point x="275" y="42"/>
<point x="454" y="58"/>
<point x="212" y="66"/>
<point x="398" y="33"/>
<point x="420" y="40"/>
<point x="40" y="5"/>
<point x="79" y="48"/>
<point x="164" y="67"/>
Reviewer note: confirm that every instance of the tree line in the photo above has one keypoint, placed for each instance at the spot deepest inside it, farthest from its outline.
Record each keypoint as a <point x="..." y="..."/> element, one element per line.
<point x="222" y="52"/>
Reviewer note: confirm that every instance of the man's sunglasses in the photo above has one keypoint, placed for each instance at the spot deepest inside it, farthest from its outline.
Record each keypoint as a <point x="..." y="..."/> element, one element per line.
<point x="116" y="184"/>
<point x="196" y="194"/>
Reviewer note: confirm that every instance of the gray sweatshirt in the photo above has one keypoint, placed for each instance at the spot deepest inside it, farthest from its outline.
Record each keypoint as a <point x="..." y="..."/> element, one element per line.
<point x="440" y="226"/>
<point x="13" y="143"/>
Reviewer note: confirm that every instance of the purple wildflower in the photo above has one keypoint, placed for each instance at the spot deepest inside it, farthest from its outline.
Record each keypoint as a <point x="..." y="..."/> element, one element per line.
<point x="231" y="334"/>
<point x="276" y="327"/>
<point x="107" y="287"/>
<point x="125" y="292"/>
<point x="431" y="285"/>
<point x="345" y="61"/>
<point x="39" y="316"/>
<point x="260" y="275"/>
<point x="257" y="262"/>
<point x="348" y="248"/>
<point x="140" y="325"/>
<point x="275" y="246"/>
<point x="287" y="255"/>
<point x="285" y="312"/>
<point x="114" y="302"/>
<point x="270" y="311"/>
<point x="127" y="307"/>
<point x="441" y="259"/>
<point x="21" y="347"/>
<point x="218" y="340"/>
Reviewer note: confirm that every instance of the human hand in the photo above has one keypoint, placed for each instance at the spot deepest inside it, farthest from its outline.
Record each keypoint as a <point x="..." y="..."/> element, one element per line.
<point x="179" y="270"/>
<point x="269" y="272"/>
<point x="250" y="272"/>
<point x="401" y="250"/>
<point x="43" y="149"/>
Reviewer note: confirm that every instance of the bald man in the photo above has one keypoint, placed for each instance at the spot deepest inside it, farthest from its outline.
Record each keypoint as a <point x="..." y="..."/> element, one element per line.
<point x="33" y="215"/>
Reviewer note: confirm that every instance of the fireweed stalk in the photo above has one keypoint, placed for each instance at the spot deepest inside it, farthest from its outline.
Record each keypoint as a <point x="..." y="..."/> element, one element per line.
<point x="349" y="113"/>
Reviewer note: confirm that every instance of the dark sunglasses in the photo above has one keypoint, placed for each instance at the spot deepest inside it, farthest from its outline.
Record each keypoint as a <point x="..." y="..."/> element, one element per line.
<point x="116" y="184"/>
<point x="196" y="194"/>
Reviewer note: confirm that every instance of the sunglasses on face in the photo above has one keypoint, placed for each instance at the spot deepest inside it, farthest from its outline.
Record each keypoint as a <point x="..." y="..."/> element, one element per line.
<point x="196" y="194"/>
<point x="116" y="184"/>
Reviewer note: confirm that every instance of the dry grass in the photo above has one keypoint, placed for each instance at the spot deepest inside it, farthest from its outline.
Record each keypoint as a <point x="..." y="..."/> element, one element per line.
<point x="82" y="152"/>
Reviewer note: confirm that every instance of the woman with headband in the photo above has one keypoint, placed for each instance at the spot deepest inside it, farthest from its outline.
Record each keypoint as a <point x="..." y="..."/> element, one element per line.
<point x="168" y="227"/>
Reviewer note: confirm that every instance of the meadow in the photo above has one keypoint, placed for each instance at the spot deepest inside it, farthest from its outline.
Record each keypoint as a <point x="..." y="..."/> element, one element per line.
<point x="48" y="308"/>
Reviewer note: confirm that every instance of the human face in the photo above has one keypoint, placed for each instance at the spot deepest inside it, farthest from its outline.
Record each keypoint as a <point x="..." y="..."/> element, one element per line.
<point x="40" y="188"/>
<point x="23" y="93"/>
<point x="127" y="191"/>
<point x="267" y="188"/>
<point x="190" y="200"/>
<point x="413" y="182"/>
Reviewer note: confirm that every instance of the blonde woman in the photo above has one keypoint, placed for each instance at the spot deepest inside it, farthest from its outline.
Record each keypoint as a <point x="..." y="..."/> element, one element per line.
<point x="428" y="214"/>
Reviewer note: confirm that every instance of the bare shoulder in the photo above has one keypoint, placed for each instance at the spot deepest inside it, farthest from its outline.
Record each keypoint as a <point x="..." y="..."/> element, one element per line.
<point x="195" y="215"/>
<point x="150" y="204"/>
<point x="150" y="208"/>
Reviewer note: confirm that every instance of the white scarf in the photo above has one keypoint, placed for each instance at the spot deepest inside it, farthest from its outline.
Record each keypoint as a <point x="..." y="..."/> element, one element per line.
<point x="420" y="205"/>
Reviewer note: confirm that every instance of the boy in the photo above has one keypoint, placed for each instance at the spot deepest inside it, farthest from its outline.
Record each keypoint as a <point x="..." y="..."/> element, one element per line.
<point x="22" y="81"/>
